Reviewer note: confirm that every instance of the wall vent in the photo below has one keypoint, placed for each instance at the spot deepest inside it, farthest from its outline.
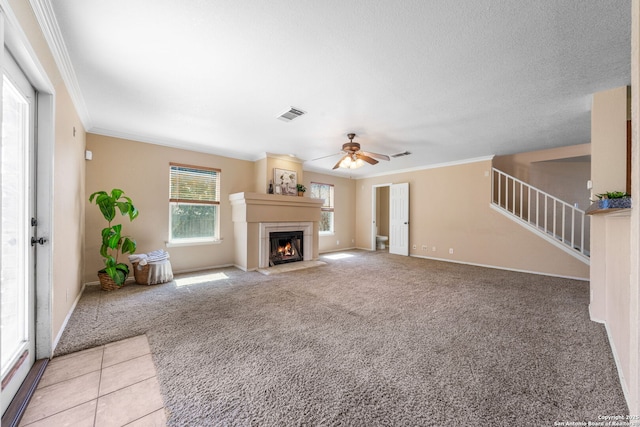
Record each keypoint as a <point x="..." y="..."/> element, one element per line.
<point x="404" y="153"/>
<point x="290" y="114"/>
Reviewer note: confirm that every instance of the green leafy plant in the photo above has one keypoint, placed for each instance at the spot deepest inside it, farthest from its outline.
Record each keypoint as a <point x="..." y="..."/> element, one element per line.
<point x="301" y="188"/>
<point x="113" y="242"/>
<point x="613" y="195"/>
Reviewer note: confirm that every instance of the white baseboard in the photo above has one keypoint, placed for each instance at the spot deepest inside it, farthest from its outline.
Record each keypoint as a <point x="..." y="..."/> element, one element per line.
<point x="66" y="320"/>
<point x="623" y="382"/>
<point x="502" y="268"/>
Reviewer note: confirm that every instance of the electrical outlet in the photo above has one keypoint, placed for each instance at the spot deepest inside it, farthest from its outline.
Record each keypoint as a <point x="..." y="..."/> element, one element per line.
<point x="415" y="247"/>
<point x="450" y="250"/>
<point x="424" y="247"/>
<point x="433" y="248"/>
<point x="337" y="242"/>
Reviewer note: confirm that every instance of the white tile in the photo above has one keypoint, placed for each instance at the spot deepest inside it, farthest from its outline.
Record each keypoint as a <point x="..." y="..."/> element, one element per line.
<point x="65" y="368"/>
<point x="79" y="416"/>
<point x="121" y="351"/>
<point x="154" y="419"/>
<point x="50" y="400"/>
<point x="129" y="404"/>
<point x="126" y="373"/>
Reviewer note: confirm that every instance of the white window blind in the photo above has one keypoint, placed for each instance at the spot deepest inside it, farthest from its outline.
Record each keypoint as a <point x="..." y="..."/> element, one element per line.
<point x="194" y="184"/>
<point x="325" y="191"/>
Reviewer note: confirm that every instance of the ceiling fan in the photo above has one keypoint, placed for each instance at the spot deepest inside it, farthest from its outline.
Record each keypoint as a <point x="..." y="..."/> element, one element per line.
<point x="354" y="157"/>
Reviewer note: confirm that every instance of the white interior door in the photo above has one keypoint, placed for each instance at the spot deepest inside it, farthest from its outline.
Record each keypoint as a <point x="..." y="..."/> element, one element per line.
<point x="17" y="208"/>
<point x="399" y="219"/>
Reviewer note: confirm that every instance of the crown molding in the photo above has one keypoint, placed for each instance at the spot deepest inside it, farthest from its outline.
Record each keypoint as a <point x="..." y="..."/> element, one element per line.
<point x="18" y="44"/>
<point x="346" y="174"/>
<point x="171" y="143"/>
<point x="51" y="31"/>
<point x="433" y="166"/>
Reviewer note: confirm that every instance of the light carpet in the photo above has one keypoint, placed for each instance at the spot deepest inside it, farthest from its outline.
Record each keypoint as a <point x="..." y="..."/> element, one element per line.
<point x="369" y="339"/>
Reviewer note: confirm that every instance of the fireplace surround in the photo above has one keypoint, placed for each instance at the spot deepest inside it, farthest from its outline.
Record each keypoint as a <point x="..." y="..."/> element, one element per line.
<point x="255" y="215"/>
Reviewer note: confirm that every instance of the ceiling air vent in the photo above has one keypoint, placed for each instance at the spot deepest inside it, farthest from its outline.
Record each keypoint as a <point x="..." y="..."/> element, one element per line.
<point x="404" y="153"/>
<point x="290" y="114"/>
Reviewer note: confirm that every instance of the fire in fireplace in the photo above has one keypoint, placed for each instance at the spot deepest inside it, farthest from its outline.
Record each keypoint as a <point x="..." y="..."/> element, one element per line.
<point x="285" y="246"/>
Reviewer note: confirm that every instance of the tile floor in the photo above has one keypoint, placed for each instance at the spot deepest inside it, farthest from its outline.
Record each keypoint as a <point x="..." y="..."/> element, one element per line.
<point x="111" y="385"/>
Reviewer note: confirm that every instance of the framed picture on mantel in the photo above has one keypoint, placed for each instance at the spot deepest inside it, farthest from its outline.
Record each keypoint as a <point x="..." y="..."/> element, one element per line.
<point x="286" y="180"/>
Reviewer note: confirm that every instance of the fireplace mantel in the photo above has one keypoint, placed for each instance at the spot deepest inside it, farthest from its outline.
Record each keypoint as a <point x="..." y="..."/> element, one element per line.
<point x="250" y="210"/>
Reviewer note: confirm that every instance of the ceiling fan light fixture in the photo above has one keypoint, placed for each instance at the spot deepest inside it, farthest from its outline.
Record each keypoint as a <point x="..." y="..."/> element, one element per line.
<point x="354" y="157"/>
<point x="351" y="162"/>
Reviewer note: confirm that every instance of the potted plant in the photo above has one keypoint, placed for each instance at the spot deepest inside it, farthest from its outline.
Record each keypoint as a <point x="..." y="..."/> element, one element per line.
<point x="614" y="200"/>
<point x="114" y="243"/>
<point x="301" y="189"/>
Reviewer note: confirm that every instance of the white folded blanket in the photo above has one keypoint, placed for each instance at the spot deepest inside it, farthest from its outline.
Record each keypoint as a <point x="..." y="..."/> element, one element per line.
<point x="153" y="256"/>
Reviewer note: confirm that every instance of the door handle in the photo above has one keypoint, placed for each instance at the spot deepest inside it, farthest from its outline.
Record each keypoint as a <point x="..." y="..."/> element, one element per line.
<point x="40" y="241"/>
<point x="406" y="223"/>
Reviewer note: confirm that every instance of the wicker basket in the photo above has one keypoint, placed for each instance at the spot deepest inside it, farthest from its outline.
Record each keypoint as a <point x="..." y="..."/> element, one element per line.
<point x="141" y="275"/>
<point x="106" y="282"/>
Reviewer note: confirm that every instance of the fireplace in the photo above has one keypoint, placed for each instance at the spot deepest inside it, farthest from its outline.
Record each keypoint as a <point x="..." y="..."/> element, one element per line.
<point x="304" y="239"/>
<point x="255" y="216"/>
<point x="285" y="246"/>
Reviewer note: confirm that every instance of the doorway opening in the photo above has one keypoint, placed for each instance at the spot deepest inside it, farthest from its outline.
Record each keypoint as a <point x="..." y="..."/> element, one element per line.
<point x="390" y="218"/>
<point x="381" y="218"/>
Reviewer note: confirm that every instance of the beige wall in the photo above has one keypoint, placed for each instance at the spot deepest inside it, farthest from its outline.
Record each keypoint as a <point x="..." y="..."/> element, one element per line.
<point x="519" y="165"/>
<point x="382" y="214"/>
<point x="344" y="211"/>
<point x="142" y="171"/>
<point x="263" y="170"/>
<point x="609" y="140"/>
<point x="69" y="209"/>
<point x="260" y="176"/>
<point x="279" y="163"/>
<point x="614" y="236"/>
<point x="449" y="207"/>
<point x="68" y="180"/>
<point x="566" y="180"/>
<point x="608" y="172"/>
<point x="633" y="381"/>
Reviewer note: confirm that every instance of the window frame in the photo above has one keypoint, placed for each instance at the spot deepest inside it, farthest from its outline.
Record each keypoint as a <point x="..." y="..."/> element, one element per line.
<point x="331" y="208"/>
<point x="176" y="200"/>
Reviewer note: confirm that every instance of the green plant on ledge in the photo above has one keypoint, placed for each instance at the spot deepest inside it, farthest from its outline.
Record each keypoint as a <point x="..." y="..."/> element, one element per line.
<point x="612" y="200"/>
<point x="613" y="195"/>
<point x="301" y="188"/>
<point x="113" y="242"/>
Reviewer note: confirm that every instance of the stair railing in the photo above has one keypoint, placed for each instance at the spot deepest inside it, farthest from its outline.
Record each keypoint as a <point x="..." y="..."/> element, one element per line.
<point x="555" y="219"/>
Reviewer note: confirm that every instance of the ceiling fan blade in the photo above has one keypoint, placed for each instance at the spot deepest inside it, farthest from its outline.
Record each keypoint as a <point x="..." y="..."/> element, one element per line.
<point x="376" y="155"/>
<point x="324" y="157"/>
<point x="366" y="158"/>
<point x="340" y="161"/>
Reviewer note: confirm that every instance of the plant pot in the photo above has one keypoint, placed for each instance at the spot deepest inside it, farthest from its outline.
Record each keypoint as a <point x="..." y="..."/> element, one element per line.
<point x="106" y="282"/>
<point x="301" y="193"/>
<point x="622" y="203"/>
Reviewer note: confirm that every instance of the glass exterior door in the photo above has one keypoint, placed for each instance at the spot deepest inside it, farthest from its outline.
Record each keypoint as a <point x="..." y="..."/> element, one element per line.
<point x="17" y="253"/>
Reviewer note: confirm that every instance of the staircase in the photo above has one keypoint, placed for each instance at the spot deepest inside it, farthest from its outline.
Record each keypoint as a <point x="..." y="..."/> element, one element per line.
<point x="558" y="222"/>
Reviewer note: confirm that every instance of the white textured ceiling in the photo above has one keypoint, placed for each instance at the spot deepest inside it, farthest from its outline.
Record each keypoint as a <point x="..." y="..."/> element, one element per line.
<point x="446" y="80"/>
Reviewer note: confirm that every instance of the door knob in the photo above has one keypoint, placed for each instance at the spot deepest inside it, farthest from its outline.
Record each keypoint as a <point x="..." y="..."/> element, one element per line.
<point x="40" y="241"/>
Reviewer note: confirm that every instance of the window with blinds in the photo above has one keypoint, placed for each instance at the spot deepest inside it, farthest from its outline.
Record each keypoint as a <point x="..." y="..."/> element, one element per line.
<point x="324" y="191"/>
<point x="194" y="199"/>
